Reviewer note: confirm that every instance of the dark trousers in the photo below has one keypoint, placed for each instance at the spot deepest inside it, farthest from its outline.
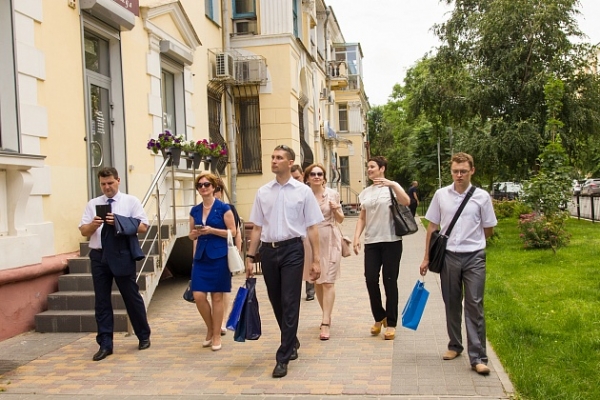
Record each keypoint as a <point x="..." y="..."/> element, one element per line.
<point x="386" y="254"/>
<point x="282" y="269"/>
<point x="413" y="207"/>
<point x="130" y="291"/>
<point x="463" y="281"/>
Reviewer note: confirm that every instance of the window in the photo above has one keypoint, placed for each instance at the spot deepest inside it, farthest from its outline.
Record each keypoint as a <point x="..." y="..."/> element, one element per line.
<point x="214" y="126"/>
<point x="249" y="149"/>
<point x="244" y="9"/>
<point x="9" y="107"/>
<point x="295" y="18"/>
<point x="211" y="9"/>
<point x="172" y="96"/>
<point x="345" y="170"/>
<point x="343" y="116"/>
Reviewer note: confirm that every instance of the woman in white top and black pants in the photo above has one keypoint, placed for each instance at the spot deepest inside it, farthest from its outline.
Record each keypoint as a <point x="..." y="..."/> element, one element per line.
<point x="383" y="249"/>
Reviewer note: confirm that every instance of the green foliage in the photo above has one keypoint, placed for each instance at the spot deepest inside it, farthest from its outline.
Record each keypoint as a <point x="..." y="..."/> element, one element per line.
<point x="509" y="208"/>
<point x="542" y="313"/>
<point x="540" y="232"/>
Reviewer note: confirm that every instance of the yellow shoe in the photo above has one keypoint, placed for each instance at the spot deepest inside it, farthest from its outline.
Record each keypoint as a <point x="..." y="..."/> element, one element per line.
<point x="390" y="334"/>
<point x="376" y="329"/>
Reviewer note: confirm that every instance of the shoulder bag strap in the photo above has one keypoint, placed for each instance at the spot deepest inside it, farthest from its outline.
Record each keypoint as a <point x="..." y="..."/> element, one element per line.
<point x="459" y="211"/>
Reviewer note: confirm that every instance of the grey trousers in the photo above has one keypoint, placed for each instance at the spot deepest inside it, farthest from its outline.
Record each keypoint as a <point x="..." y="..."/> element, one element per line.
<point x="463" y="276"/>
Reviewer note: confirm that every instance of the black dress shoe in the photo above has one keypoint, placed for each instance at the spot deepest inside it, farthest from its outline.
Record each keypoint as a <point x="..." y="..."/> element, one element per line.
<point x="280" y="370"/>
<point x="310" y="297"/>
<point x="144" y="344"/>
<point x="294" y="355"/>
<point x="102" y="354"/>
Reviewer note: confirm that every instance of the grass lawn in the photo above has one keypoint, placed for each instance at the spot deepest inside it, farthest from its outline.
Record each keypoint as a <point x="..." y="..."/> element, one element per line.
<point x="543" y="312"/>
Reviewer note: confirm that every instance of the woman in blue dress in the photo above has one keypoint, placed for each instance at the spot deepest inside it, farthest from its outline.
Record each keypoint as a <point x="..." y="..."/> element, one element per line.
<point x="209" y="222"/>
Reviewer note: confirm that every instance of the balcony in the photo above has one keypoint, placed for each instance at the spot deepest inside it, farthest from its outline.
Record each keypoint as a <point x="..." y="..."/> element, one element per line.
<point x="337" y="72"/>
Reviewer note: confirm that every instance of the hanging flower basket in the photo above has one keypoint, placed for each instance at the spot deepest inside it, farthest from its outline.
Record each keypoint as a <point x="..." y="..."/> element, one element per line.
<point x="169" y="145"/>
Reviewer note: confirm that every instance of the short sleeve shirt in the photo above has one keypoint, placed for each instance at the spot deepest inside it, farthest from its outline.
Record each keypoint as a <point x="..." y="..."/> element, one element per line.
<point x="124" y="204"/>
<point x="468" y="234"/>
<point x="379" y="224"/>
<point x="284" y="211"/>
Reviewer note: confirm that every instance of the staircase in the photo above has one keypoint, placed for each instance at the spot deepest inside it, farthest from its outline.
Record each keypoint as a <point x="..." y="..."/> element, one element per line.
<point x="167" y="204"/>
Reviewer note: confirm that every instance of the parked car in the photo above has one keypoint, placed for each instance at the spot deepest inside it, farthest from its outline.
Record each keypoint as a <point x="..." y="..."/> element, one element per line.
<point x="591" y="187"/>
<point x="506" y="190"/>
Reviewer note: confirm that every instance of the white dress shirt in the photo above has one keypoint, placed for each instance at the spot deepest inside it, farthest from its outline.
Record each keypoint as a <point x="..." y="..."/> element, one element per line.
<point x="379" y="224"/>
<point x="284" y="211"/>
<point x="467" y="235"/>
<point x="124" y="204"/>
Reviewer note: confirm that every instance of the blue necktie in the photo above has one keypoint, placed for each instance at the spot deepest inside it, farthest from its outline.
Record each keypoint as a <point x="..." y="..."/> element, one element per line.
<point x="105" y="227"/>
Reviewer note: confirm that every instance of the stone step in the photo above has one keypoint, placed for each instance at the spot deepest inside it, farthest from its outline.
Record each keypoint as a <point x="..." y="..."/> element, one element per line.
<point x="149" y="247"/>
<point x="84" y="282"/>
<point x="75" y="321"/>
<point x="80" y="300"/>
<point x="82" y="265"/>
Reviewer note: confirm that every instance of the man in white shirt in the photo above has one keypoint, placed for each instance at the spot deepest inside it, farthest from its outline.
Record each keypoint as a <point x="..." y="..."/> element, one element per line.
<point x="464" y="260"/>
<point x="121" y="269"/>
<point x="284" y="212"/>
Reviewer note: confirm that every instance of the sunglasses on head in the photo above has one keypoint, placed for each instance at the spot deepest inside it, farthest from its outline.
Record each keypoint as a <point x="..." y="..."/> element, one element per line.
<point x="316" y="174"/>
<point x="203" y="184"/>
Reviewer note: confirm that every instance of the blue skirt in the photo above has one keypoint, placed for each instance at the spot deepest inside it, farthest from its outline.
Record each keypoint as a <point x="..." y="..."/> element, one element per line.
<point x="211" y="275"/>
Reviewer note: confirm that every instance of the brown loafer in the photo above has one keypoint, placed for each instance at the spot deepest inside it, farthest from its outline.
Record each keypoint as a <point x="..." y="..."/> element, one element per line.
<point x="481" y="369"/>
<point x="450" y="355"/>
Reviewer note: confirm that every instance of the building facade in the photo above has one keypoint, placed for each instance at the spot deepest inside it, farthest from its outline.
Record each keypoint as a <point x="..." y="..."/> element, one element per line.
<point x="86" y="83"/>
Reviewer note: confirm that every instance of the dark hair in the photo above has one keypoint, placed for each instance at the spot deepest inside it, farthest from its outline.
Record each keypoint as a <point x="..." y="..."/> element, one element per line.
<point x="212" y="178"/>
<point x="295" y="168"/>
<point x="288" y="150"/>
<point x="108" y="171"/>
<point x="308" y="170"/>
<point x="379" y="160"/>
<point x="461" y="158"/>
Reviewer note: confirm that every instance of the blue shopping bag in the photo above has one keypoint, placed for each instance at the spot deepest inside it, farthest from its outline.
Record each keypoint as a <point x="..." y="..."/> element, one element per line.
<point x="413" y="310"/>
<point x="249" y="326"/>
<point x="236" y="308"/>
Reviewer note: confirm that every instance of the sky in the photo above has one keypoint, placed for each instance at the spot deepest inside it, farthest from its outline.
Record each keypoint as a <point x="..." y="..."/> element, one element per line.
<point x="394" y="34"/>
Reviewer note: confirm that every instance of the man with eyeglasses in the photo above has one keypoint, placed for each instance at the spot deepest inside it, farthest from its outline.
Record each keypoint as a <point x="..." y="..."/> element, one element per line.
<point x="284" y="212"/>
<point x="310" y="287"/>
<point x="463" y="274"/>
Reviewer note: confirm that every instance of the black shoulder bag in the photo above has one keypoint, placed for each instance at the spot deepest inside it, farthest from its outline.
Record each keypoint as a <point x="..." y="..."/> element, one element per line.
<point x="437" y="243"/>
<point x="404" y="222"/>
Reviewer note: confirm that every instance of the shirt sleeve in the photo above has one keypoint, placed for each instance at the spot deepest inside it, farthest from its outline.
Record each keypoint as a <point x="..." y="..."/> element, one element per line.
<point x="88" y="214"/>
<point x="433" y="212"/>
<point x="137" y="211"/>
<point x="312" y="211"/>
<point x="256" y="214"/>
<point x="488" y="216"/>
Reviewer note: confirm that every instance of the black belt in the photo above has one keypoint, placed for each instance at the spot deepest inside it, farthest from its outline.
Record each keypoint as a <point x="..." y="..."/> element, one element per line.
<point x="282" y="243"/>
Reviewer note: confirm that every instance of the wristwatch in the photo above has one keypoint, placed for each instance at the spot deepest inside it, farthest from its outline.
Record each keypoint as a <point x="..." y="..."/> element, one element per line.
<point x="250" y="256"/>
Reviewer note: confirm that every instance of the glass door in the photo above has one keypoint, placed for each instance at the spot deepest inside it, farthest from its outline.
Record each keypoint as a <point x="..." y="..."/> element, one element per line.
<point x="99" y="108"/>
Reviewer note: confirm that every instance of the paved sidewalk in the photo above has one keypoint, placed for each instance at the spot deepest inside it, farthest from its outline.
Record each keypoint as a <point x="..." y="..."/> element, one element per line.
<point x="351" y="365"/>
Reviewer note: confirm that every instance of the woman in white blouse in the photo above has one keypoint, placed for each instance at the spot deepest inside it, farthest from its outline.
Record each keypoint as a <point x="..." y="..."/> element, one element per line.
<point x="383" y="249"/>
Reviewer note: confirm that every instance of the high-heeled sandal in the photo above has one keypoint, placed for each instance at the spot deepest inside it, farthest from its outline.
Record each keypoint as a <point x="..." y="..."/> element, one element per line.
<point x="376" y="329"/>
<point x="390" y="334"/>
<point x="207" y="343"/>
<point x="322" y="336"/>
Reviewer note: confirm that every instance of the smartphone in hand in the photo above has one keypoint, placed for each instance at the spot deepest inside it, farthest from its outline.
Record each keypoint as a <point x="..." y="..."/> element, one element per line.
<point x="102" y="210"/>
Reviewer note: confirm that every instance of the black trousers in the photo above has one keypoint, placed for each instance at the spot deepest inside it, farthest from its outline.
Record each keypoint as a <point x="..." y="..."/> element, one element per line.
<point x="282" y="269"/>
<point x="385" y="257"/>
<point x="130" y="291"/>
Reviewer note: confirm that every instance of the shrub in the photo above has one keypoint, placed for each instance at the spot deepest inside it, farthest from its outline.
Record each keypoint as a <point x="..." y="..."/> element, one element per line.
<point x="510" y="208"/>
<point x="540" y="232"/>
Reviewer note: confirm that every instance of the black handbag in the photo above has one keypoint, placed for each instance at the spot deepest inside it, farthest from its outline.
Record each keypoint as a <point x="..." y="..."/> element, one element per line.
<point x="188" y="295"/>
<point x="437" y="242"/>
<point x="404" y="222"/>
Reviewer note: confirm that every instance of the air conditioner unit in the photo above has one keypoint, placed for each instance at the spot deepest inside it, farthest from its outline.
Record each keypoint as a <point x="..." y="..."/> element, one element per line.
<point x="249" y="71"/>
<point x="224" y="65"/>
<point x="324" y="94"/>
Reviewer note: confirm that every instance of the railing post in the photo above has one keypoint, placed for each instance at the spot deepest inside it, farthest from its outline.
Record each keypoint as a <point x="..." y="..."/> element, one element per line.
<point x="159" y="228"/>
<point x="592" y="205"/>
<point x="173" y="199"/>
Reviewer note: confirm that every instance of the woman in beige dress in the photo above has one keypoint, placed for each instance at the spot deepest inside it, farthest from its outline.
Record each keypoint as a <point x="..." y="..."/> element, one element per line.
<point x="330" y="243"/>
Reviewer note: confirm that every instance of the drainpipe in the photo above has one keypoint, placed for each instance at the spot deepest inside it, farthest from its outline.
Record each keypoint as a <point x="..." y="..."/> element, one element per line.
<point x="229" y="125"/>
<point x="328" y="80"/>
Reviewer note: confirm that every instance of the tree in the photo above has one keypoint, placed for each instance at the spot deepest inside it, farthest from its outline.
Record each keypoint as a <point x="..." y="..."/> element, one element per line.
<point x="487" y="81"/>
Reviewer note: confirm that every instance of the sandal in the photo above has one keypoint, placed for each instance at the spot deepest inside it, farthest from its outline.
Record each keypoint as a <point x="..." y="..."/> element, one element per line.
<point x="390" y="333"/>
<point x="376" y="329"/>
<point x="323" y="336"/>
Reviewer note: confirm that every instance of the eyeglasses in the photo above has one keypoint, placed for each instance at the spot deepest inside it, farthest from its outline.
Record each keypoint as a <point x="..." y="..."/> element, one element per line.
<point x="460" y="171"/>
<point x="313" y="174"/>
<point x="203" y="184"/>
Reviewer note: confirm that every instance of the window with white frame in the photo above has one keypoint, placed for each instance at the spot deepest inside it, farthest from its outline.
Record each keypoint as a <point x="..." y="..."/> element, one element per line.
<point x="343" y="117"/>
<point x="9" y="107"/>
<point x="172" y="97"/>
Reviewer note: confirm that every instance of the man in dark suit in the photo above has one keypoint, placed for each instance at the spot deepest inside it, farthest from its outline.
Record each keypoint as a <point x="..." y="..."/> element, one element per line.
<point x="113" y="257"/>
